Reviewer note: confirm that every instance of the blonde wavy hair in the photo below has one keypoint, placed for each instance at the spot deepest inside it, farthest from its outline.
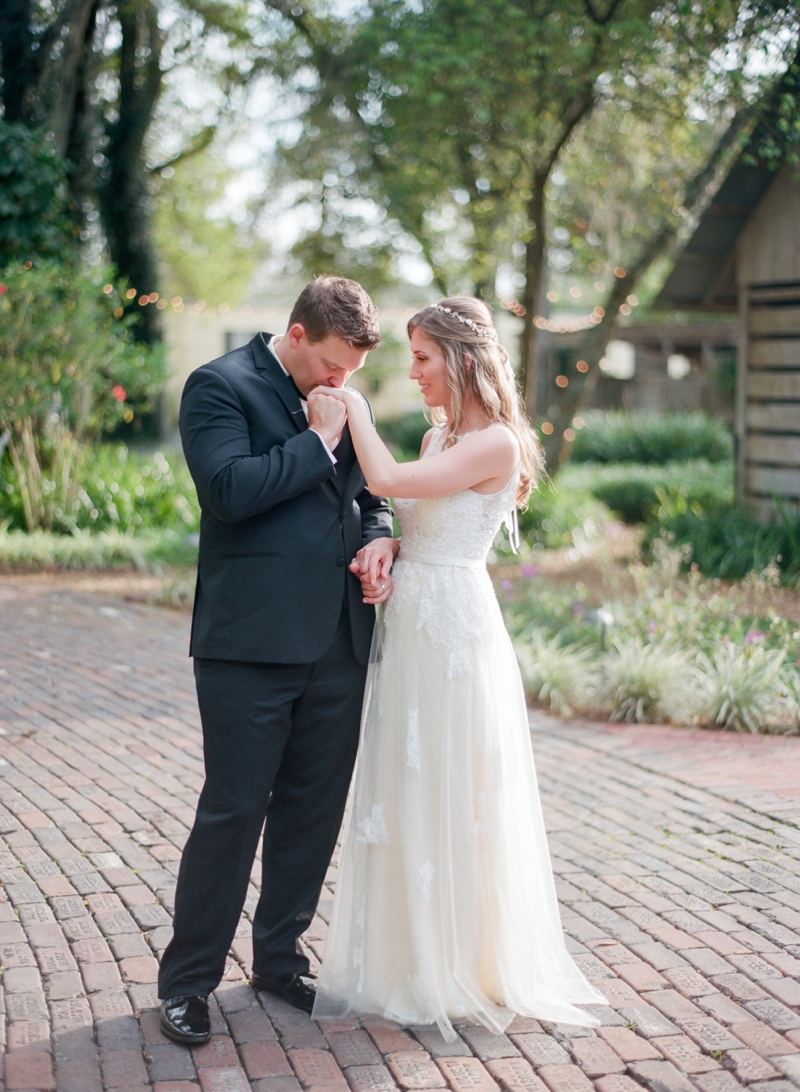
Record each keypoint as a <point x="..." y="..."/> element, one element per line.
<point x="478" y="365"/>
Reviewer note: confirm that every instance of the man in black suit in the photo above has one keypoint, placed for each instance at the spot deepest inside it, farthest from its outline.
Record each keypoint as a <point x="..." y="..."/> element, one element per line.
<point x="280" y="638"/>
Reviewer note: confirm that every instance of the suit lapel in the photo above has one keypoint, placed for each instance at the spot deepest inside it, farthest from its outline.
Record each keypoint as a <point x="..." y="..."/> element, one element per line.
<point x="270" y="370"/>
<point x="355" y="483"/>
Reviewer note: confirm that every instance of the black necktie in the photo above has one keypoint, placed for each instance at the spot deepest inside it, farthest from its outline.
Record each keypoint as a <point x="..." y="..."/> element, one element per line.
<point x="297" y="390"/>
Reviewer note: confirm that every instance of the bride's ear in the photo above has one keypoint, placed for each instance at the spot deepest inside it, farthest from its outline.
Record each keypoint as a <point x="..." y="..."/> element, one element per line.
<point x="468" y="361"/>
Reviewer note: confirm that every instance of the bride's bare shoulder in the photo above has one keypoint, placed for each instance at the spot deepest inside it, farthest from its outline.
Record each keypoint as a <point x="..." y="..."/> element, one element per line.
<point x="497" y="438"/>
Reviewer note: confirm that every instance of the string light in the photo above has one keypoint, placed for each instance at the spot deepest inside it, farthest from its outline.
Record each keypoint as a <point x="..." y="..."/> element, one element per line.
<point x="567" y="325"/>
<point x="562" y="381"/>
<point x="557" y="326"/>
<point x="547" y="428"/>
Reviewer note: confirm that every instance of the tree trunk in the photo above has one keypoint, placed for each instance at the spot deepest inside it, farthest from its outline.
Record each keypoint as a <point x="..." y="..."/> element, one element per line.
<point x="41" y="71"/>
<point x="16" y="41"/>
<point x="535" y="286"/>
<point x="81" y="146"/>
<point x="59" y="78"/>
<point x="124" y="197"/>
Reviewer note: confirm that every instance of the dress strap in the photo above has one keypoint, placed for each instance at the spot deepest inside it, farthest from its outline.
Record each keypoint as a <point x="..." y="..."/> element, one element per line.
<point x="512" y="526"/>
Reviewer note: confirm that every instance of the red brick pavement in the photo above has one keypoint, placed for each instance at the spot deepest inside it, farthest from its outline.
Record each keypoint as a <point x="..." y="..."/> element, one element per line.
<point x="677" y="855"/>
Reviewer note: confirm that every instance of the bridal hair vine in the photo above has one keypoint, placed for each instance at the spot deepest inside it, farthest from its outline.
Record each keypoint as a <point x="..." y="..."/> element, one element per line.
<point x="481" y="331"/>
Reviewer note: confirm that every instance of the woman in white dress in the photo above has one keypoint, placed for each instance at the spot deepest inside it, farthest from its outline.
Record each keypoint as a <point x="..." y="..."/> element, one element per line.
<point x="445" y="905"/>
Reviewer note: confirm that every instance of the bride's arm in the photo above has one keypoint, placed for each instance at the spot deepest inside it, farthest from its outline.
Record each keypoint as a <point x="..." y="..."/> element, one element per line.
<point x="486" y="458"/>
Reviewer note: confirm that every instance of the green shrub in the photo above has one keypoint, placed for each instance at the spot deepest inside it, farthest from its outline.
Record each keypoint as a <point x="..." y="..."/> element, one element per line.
<point x="743" y="686"/>
<point x="556" y="516"/>
<point x="651" y="438"/>
<point x="560" y="675"/>
<point x="648" y="681"/>
<point x="404" y="434"/>
<point x="676" y="645"/>
<point x="729" y="542"/>
<point x="93" y="550"/>
<point x="634" y="492"/>
<point x="119" y="490"/>
<point x="33" y="197"/>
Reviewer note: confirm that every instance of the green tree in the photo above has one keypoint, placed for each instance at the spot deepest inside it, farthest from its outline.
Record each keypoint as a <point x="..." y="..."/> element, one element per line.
<point x="202" y="256"/>
<point x="95" y="76"/>
<point x="450" y="115"/>
<point x="639" y="208"/>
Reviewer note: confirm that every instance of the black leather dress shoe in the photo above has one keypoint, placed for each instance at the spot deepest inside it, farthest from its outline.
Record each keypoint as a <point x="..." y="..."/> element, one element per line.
<point x="185" y="1020"/>
<point x="298" y="989"/>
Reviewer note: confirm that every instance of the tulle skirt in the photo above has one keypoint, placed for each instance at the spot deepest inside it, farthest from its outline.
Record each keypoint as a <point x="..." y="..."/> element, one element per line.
<point x="445" y="905"/>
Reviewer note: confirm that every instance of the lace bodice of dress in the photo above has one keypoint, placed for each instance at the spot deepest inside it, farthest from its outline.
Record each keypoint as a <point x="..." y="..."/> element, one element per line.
<point x="462" y="525"/>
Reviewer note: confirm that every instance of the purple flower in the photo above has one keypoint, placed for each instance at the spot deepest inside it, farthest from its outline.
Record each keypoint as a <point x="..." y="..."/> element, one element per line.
<point x="755" y="637"/>
<point x="506" y="585"/>
<point x="530" y="570"/>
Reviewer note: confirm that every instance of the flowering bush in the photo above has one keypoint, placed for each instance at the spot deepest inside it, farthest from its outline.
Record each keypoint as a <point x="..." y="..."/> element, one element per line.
<point x="69" y="371"/>
<point x="678" y="646"/>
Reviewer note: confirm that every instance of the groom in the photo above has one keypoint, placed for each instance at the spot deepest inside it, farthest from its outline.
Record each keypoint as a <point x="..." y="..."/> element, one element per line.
<point x="280" y="640"/>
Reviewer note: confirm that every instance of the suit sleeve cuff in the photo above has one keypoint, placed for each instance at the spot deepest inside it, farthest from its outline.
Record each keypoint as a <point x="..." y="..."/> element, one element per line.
<point x="328" y="451"/>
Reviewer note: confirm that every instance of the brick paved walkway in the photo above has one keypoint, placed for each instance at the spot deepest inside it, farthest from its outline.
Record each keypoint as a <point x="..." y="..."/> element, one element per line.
<point x="677" y="855"/>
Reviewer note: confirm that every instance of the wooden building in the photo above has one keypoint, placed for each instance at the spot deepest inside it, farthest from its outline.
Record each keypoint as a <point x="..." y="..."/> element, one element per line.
<point x="745" y="256"/>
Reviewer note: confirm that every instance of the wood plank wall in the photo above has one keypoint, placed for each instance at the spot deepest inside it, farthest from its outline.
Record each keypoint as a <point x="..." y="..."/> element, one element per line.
<point x="768" y="396"/>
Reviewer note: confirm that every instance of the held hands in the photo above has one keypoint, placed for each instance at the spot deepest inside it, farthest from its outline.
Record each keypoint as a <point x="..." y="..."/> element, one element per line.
<point x="326" y="415"/>
<point x="373" y="566"/>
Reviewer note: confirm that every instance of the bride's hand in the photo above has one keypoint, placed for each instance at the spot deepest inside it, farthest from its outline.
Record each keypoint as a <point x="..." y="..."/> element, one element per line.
<point x="373" y="565"/>
<point x="342" y="394"/>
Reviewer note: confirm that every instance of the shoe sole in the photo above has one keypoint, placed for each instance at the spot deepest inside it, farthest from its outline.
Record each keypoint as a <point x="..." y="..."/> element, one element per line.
<point x="183" y="1040"/>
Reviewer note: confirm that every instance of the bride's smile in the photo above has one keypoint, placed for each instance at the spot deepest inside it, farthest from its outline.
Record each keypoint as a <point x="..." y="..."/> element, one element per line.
<point x="429" y="369"/>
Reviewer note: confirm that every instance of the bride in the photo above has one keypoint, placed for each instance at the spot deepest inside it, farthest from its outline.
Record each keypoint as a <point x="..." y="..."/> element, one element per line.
<point x="445" y="906"/>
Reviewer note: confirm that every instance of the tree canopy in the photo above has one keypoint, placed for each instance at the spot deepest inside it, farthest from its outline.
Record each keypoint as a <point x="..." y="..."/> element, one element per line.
<point x="437" y="126"/>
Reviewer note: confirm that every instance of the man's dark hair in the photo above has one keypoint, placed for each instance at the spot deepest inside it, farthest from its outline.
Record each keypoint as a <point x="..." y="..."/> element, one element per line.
<point x="335" y="305"/>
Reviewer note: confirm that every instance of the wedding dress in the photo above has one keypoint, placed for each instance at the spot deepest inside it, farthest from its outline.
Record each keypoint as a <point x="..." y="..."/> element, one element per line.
<point x="445" y="905"/>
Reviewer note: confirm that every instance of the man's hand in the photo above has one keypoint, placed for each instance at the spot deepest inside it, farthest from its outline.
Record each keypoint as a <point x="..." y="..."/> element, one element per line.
<point x="372" y="565"/>
<point x="326" y="416"/>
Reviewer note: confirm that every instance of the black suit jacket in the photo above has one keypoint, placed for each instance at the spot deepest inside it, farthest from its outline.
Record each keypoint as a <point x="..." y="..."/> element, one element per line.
<point x="278" y="524"/>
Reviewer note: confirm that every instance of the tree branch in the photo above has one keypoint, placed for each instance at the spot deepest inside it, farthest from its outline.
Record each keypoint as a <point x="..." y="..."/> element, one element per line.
<point x="598" y="19"/>
<point x="198" y="143"/>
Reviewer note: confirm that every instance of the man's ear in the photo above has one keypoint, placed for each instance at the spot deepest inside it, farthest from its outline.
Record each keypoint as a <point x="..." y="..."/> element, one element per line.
<point x="296" y="335"/>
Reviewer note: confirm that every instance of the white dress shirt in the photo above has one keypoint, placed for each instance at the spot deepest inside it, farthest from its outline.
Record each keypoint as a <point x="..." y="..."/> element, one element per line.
<point x="329" y="448"/>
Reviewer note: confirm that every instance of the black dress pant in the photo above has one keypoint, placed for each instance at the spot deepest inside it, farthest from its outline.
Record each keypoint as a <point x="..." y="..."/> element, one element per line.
<point x="279" y="743"/>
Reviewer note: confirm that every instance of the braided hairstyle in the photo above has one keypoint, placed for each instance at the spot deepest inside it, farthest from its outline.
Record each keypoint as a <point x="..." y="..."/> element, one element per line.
<point x="478" y="365"/>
